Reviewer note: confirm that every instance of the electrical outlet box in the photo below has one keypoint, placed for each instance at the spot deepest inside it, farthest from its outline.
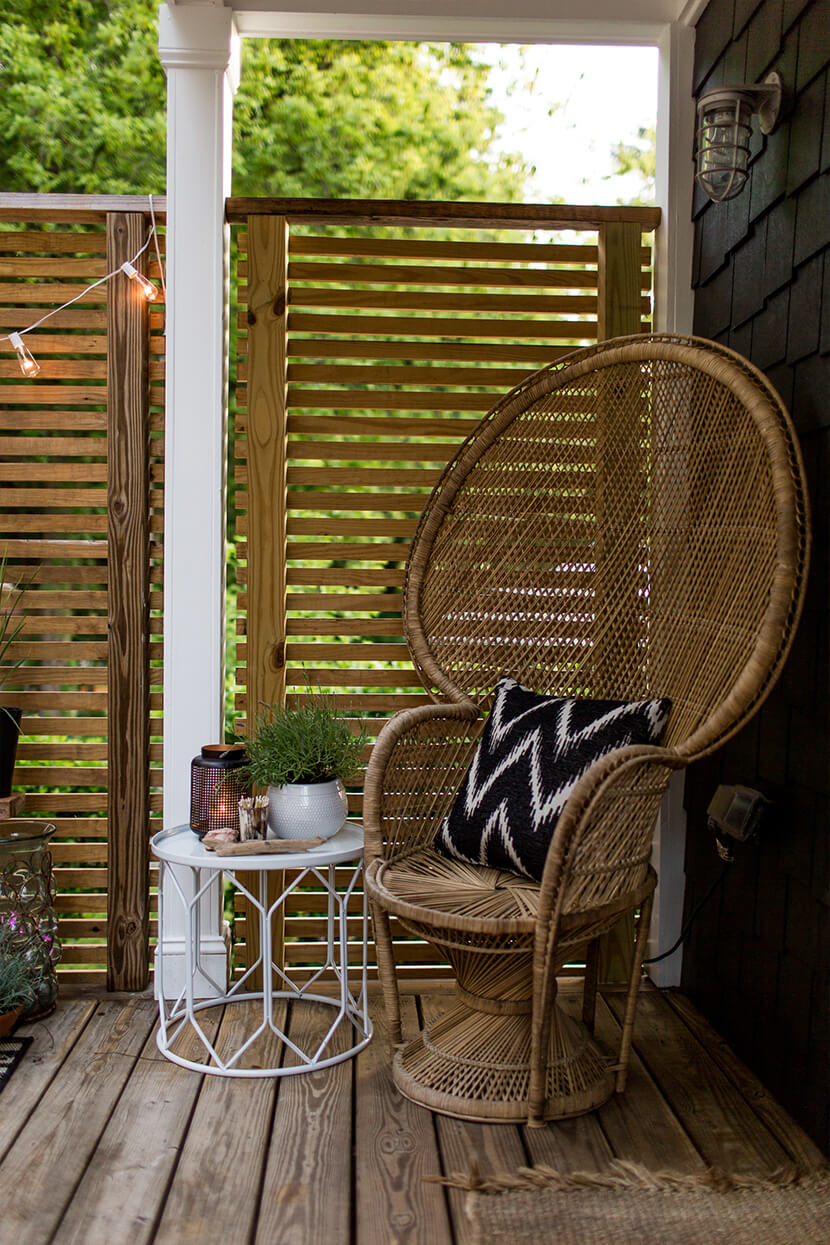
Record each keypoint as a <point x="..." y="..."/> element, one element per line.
<point x="737" y="811"/>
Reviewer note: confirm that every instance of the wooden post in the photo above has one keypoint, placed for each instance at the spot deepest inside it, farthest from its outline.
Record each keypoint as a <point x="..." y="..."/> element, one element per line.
<point x="267" y="495"/>
<point x="128" y="665"/>
<point x="618" y="315"/>
<point x="618" y="280"/>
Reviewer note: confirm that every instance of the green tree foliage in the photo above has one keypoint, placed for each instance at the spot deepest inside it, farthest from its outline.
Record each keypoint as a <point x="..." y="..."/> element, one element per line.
<point x="82" y="109"/>
<point x="640" y="158"/>
<point x="368" y="120"/>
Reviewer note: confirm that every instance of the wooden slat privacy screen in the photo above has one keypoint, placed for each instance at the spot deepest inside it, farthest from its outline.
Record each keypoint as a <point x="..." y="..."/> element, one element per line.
<point x="81" y="488"/>
<point x="366" y="353"/>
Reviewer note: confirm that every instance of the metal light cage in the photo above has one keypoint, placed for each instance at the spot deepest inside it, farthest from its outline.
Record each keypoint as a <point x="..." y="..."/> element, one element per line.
<point x="724" y="130"/>
<point x="217" y="784"/>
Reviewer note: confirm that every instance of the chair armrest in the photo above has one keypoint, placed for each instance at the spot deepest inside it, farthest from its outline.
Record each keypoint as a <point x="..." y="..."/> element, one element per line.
<point x="417" y="765"/>
<point x="602" y="844"/>
<point x="604" y="833"/>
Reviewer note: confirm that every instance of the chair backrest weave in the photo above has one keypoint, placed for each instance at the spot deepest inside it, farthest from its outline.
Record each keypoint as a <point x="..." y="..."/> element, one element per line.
<point x="629" y="522"/>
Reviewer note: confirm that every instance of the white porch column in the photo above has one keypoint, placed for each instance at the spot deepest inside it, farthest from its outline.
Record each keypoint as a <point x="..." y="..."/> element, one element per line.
<point x="674" y="305"/>
<point x="199" y="49"/>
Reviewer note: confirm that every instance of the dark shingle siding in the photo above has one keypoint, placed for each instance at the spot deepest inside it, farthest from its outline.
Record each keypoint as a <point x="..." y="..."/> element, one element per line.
<point x="757" y="959"/>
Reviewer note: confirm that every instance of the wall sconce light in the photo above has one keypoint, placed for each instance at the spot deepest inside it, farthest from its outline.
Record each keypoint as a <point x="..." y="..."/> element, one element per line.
<point x="723" y="133"/>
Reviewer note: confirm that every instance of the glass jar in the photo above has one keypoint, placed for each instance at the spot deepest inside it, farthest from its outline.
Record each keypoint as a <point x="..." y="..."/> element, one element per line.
<point x="27" y="906"/>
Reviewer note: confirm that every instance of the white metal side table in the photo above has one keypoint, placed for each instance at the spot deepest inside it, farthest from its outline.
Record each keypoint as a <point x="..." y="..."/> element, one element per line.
<point x="180" y="848"/>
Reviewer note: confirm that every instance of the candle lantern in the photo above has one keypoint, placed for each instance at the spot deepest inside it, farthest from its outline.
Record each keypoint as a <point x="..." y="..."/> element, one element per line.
<point x="217" y="783"/>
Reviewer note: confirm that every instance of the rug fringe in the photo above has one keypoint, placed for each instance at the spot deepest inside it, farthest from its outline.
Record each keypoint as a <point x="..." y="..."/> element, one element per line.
<point x="622" y="1174"/>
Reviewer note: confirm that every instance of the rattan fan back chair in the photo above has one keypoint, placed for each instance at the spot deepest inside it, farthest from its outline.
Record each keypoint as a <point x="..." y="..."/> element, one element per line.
<point x="631" y="522"/>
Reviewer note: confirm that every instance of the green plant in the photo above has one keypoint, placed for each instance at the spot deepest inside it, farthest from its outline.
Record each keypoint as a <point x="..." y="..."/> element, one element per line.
<point x="15" y="973"/>
<point x="11" y="621"/>
<point x="304" y="745"/>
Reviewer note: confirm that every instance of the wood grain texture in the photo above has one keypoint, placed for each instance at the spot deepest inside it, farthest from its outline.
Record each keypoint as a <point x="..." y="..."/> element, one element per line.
<point x="129" y="612"/>
<point x="123" y="1187"/>
<point x="307" y="1190"/>
<point x="395" y="1148"/>
<point x="266" y="401"/>
<point x="443" y="215"/>
<point x="50" y="1154"/>
<point x="619" y="284"/>
<point x="639" y="1124"/>
<point x="215" y="1189"/>
<point x="54" y="1038"/>
<point x="722" y="1126"/>
<point x="805" y="1153"/>
<point x="494" y="1148"/>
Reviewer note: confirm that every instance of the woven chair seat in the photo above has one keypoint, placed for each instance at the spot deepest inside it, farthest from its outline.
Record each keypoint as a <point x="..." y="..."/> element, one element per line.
<point x="430" y="889"/>
<point x="429" y="892"/>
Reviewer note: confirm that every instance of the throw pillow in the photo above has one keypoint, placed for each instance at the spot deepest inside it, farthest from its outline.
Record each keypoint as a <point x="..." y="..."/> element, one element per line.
<point x="532" y="752"/>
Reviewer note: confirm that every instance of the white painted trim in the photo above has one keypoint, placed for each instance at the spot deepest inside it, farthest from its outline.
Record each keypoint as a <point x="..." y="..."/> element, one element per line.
<point x="691" y="12"/>
<point x="213" y="954"/>
<point x="673" y="313"/>
<point x="674" y="240"/>
<point x="451" y="29"/>
<point x="198" y="49"/>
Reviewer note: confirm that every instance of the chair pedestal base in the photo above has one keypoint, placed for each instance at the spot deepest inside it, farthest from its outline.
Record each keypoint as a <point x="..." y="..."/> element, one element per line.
<point x="476" y="1065"/>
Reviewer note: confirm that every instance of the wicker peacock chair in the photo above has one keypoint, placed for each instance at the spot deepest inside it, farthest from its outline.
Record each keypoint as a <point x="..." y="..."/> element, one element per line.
<point x="629" y="522"/>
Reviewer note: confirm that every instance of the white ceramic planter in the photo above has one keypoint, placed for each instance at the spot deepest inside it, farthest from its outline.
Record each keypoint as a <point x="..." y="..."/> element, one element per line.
<point x="304" y="810"/>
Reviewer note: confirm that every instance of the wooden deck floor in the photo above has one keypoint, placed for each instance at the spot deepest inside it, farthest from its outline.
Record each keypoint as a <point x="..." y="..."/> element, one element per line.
<point x="103" y="1141"/>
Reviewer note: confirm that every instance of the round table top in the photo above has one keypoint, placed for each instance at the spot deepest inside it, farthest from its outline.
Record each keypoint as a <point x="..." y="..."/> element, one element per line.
<point x="180" y="846"/>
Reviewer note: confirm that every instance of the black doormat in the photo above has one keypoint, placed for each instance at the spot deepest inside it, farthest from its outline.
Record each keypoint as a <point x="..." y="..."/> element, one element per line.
<point x="12" y="1050"/>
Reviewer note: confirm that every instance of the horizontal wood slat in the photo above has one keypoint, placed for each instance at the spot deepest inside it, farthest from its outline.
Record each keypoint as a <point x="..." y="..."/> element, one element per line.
<point x="54" y="473"/>
<point x="393" y="347"/>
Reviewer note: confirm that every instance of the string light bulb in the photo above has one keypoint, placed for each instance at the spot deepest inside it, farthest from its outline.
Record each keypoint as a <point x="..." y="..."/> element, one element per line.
<point x="29" y="365"/>
<point x="149" y="290"/>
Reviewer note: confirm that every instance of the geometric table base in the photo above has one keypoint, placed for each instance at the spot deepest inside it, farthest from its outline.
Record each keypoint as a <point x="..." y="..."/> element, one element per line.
<point x="183" y="860"/>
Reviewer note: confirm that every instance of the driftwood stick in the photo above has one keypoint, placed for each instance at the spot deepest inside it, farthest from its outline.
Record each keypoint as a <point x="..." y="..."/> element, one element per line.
<point x="259" y="847"/>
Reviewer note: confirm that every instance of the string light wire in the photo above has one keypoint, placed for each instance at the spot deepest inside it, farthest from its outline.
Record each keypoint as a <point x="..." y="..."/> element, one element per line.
<point x="28" y="364"/>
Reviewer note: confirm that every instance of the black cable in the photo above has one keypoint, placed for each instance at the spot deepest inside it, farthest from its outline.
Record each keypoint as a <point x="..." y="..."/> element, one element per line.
<point x="655" y="959"/>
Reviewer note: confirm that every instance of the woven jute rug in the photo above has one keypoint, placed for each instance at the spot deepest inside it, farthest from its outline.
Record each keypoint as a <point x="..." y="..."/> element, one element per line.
<point x="628" y="1205"/>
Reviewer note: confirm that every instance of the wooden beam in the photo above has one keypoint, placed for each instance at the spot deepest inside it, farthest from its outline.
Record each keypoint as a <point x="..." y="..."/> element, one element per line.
<point x="459" y="215"/>
<point x="77" y="208"/>
<point x="267" y="431"/>
<point x="128" y="492"/>
<point x="619" y="279"/>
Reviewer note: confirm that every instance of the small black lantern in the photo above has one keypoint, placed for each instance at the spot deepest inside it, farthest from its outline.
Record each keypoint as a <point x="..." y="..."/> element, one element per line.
<point x="217" y="784"/>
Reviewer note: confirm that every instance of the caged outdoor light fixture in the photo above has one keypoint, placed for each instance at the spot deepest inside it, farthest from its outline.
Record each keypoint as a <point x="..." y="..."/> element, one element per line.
<point x="724" y="129"/>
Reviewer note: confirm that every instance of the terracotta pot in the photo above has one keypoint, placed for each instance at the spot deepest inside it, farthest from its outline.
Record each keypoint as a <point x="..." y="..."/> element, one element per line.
<point x="9" y="1019"/>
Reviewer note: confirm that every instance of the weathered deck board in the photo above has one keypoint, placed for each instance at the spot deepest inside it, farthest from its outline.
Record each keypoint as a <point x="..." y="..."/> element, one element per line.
<point x="720" y="1123"/>
<point x="54" y="1038"/>
<point x="639" y="1124"/>
<point x="215" y="1189"/>
<point x="307" y="1154"/>
<point x="46" y="1163"/>
<point x="795" y="1141"/>
<point x="396" y="1148"/>
<point x="110" y="1144"/>
<point x="122" y="1190"/>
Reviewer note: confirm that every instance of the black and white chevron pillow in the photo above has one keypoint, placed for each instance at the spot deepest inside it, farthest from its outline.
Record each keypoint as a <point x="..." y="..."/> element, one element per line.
<point x="533" y="750"/>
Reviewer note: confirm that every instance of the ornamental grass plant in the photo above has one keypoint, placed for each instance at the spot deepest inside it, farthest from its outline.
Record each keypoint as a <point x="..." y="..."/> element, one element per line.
<point x="15" y="973"/>
<point x="309" y="744"/>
